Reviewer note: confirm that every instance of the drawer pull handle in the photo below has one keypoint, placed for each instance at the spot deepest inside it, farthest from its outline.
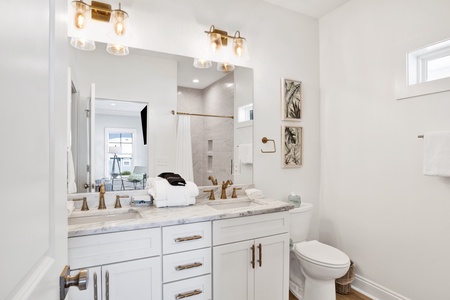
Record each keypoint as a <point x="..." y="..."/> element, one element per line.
<point x="253" y="256"/>
<point x="189" y="266"/>
<point x="260" y="255"/>
<point x="107" y="285"/>
<point x="188" y="238"/>
<point x="95" y="286"/>
<point x="188" y="294"/>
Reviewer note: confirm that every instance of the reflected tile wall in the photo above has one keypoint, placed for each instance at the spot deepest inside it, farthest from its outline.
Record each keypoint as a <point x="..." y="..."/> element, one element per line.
<point x="217" y="99"/>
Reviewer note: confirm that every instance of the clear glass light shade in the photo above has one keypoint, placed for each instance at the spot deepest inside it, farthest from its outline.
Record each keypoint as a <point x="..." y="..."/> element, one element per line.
<point x="82" y="44"/>
<point x="81" y="14"/>
<point x="225" y="67"/>
<point x="240" y="48"/>
<point x="115" y="49"/>
<point x="120" y="20"/>
<point x="202" y="63"/>
<point x="215" y="42"/>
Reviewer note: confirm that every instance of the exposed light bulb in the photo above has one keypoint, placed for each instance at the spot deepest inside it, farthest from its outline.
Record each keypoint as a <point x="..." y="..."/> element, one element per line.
<point x="119" y="27"/>
<point x="80" y="20"/>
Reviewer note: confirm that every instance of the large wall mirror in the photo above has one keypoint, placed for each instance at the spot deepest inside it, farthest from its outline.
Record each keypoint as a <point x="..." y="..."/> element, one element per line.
<point x="123" y="129"/>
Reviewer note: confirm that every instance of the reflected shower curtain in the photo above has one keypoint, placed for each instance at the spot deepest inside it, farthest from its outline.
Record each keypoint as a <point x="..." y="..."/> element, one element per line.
<point x="183" y="164"/>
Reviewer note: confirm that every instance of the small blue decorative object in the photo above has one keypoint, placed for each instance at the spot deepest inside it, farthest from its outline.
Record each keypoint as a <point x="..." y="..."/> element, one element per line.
<point x="295" y="199"/>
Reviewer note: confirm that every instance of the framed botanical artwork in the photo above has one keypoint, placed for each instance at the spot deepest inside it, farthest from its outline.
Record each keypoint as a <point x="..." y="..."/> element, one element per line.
<point x="291" y="145"/>
<point x="291" y="99"/>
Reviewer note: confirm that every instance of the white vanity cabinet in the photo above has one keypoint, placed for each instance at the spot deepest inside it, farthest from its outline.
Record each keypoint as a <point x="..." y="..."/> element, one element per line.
<point x="122" y="265"/>
<point x="187" y="261"/>
<point x="250" y="257"/>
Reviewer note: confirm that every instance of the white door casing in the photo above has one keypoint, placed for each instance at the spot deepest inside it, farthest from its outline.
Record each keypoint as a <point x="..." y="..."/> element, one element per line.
<point x="33" y="76"/>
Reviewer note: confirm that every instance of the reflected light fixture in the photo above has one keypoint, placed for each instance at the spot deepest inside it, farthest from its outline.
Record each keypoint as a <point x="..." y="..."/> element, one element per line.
<point x="216" y="40"/>
<point x="100" y="12"/>
<point x="225" y="67"/>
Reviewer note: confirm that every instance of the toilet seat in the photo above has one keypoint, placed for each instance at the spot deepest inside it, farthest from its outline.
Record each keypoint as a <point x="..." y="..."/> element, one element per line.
<point x="321" y="254"/>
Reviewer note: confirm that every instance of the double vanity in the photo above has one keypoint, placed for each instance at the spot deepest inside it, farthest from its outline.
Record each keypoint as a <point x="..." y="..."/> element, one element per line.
<point x="222" y="249"/>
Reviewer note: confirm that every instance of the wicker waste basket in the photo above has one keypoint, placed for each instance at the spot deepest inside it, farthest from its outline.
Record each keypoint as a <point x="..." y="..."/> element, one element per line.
<point x="344" y="284"/>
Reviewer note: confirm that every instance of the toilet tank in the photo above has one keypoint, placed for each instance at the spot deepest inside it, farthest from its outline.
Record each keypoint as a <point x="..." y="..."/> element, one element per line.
<point x="299" y="221"/>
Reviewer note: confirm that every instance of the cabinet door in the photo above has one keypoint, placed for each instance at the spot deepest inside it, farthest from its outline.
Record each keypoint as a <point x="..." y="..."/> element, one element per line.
<point x="93" y="290"/>
<point x="233" y="271"/>
<point x="272" y="267"/>
<point x="137" y="279"/>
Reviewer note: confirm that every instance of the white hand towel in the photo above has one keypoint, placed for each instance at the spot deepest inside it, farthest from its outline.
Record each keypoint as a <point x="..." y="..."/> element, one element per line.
<point x="245" y="153"/>
<point x="254" y="193"/>
<point x="436" y="153"/>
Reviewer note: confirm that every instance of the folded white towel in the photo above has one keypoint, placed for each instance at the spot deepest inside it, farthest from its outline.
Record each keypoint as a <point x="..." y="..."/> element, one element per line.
<point x="245" y="153"/>
<point x="254" y="193"/>
<point x="70" y="207"/>
<point x="165" y="194"/>
<point x="436" y="153"/>
<point x="167" y="203"/>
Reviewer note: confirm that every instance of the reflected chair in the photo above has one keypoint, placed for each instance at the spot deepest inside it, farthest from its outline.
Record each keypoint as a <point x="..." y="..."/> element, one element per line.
<point x="139" y="175"/>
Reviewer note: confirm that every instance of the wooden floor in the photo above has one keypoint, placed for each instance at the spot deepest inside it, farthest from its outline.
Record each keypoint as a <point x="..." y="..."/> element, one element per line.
<point x="354" y="295"/>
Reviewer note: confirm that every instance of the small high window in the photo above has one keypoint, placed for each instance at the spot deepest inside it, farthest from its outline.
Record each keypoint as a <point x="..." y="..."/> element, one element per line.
<point x="429" y="63"/>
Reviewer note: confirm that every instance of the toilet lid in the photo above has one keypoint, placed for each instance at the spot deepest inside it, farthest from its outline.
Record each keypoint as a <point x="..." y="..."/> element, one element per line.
<point x="321" y="254"/>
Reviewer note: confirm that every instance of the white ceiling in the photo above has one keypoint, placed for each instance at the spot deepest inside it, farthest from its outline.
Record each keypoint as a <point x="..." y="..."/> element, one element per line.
<point x="312" y="8"/>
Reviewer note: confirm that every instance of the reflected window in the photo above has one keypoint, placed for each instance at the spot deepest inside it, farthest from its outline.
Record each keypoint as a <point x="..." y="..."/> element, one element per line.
<point x="123" y="139"/>
<point x="245" y="113"/>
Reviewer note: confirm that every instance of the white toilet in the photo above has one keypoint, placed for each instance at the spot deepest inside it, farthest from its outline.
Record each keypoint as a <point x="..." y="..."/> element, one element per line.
<point x="313" y="266"/>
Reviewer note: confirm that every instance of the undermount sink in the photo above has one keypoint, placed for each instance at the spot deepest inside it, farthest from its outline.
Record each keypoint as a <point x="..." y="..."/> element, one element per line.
<point x="232" y="203"/>
<point x="127" y="215"/>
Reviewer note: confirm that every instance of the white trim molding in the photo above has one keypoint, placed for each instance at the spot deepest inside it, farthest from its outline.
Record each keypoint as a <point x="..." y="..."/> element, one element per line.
<point x="374" y="290"/>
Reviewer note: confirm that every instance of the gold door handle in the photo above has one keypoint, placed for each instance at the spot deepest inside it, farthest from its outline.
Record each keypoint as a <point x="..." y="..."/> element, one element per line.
<point x="260" y="255"/>
<point x="66" y="281"/>
<point x="188" y="238"/>
<point x="188" y="294"/>
<point x="189" y="266"/>
<point x="253" y="256"/>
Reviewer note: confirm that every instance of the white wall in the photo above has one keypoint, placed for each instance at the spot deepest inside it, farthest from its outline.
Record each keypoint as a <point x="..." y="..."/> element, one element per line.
<point x="375" y="203"/>
<point x="281" y="44"/>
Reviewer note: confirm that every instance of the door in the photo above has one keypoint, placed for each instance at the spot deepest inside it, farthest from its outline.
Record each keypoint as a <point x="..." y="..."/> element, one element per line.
<point x="33" y="216"/>
<point x="233" y="271"/>
<point x="272" y="267"/>
<point x="137" y="279"/>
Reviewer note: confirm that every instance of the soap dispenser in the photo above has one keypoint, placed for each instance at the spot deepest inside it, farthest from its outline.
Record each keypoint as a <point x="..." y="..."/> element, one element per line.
<point x="295" y="199"/>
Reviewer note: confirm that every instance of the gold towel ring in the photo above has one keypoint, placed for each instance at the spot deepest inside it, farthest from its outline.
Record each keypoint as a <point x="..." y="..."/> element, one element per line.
<point x="265" y="140"/>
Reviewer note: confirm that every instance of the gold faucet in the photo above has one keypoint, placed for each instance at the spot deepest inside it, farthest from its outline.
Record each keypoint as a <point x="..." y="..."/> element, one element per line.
<point x="118" y="204"/>
<point x="224" y="188"/>
<point x="211" y="194"/>
<point x="234" y="195"/>
<point x="214" y="181"/>
<point x="101" y="200"/>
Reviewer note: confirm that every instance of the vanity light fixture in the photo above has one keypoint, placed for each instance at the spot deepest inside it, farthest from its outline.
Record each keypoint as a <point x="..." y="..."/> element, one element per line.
<point x="102" y="12"/>
<point x="218" y="39"/>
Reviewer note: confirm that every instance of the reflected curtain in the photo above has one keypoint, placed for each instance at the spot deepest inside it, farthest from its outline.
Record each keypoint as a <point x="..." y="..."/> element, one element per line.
<point x="183" y="164"/>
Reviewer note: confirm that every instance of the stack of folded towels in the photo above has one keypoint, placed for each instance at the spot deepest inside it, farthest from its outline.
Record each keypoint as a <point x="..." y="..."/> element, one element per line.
<point x="254" y="194"/>
<point x="170" y="189"/>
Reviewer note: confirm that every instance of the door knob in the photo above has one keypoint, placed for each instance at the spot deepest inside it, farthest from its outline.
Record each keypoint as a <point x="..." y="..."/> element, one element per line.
<point x="66" y="281"/>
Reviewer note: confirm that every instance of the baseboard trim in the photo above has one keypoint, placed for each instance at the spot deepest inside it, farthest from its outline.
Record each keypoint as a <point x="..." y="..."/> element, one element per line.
<point x="374" y="290"/>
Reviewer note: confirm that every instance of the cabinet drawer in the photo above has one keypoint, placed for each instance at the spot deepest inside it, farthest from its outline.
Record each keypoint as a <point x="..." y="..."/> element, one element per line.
<point x="186" y="237"/>
<point x="241" y="229"/>
<point x="186" y="264"/>
<point x="198" y="288"/>
<point x="100" y="249"/>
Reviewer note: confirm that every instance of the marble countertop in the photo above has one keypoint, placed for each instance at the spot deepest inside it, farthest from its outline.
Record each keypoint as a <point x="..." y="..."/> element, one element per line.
<point x="152" y="216"/>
